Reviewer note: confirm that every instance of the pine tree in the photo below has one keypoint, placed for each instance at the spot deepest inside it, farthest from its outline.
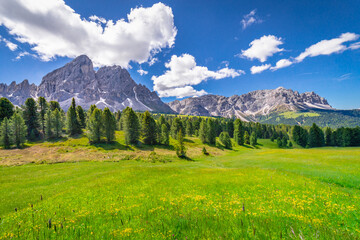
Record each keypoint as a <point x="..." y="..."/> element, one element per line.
<point x="211" y="132"/>
<point x="57" y="122"/>
<point x="42" y="107"/>
<point x="279" y="142"/>
<point x="73" y="125"/>
<point x="238" y="132"/>
<point x="148" y="129"/>
<point x="246" y="138"/>
<point x="48" y="124"/>
<point x="5" y="140"/>
<point x="31" y="119"/>
<point x="131" y="126"/>
<point x="328" y="136"/>
<point x="81" y="116"/>
<point x="180" y="148"/>
<point x="18" y="129"/>
<point x="164" y="135"/>
<point x="54" y="105"/>
<point x="109" y="125"/>
<point x="6" y="109"/>
<point x="203" y="132"/>
<point x="316" y="136"/>
<point x="225" y="140"/>
<point x="189" y="128"/>
<point x="300" y="135"/>
<point x="253" y="139"/>
<point x="284" y="142"/>
<point x="95" y="126"/>
<point x="175" y="127"/>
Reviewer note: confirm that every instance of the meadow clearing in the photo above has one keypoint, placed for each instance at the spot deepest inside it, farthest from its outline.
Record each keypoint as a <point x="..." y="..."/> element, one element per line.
<point x="143" y="192"/>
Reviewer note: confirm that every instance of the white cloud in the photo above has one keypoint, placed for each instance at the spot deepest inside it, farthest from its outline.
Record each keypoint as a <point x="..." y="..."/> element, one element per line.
<point x="23" y="54"/>
<point x="250" y="19"/>
<point x="142" y="72"/>
<point x="53" y="29"/>
<point x="95" y="18"/>
<point x="259" y="69"/>
<point x="327" y="47"/>
<point x="12" y="46"/>
<point x="281" y="64"/>
<point x="344" y="77"/>
<point x="355" y="46"/>
<point x="184" y="73"/>
<point x="262" y="48"/>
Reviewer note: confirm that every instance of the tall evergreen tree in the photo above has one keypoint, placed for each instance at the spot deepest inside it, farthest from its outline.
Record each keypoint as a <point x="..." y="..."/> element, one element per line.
<point x="5" y="140"/>
<point x="48" y="124"/>
<point x="109" y="125"/>
<point x="246" y="137"/>
<point x="189" y="128"/>
<point x="72" y="123"/>
<point x="225" y="139"/>
<point x="54" y="105"/>
<point x="175" y="127"/>
<point x="238" y="132"/>
<point x="300" y="135"/>
<point x="164" y="135"/>
<point x="180" y="148"/>
<point x="253" y="139"/>
<point x="31" y="119"/>
<point x="211" y="131"/>
<point x="203" y="131"/>
<point x="18" y="129"/>
<point x="148" y="129"/>
<point x="95" y="126"/>
<point x="131" y="126"/>
<point x="42" y="108"/>
<point x="316" y="136"/>
<point x="6" y="109"/>
<point x="328" y="136"/>
<point x="81" y="116"/>
<point x="57" y="122"/>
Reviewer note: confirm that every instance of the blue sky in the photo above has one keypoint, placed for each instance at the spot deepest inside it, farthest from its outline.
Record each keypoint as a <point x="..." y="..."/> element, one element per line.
<point x="196" y="47"/>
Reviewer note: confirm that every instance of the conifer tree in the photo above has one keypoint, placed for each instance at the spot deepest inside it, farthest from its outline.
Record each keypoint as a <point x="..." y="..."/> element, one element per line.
<point x="6" y="109"/>
<point x="316" y="136"/>
<point x="95" y="126"/>
<point x="238" y="132"/>
<point x="48" y="124"/>
<point x="328" y="136"/>
<point x="57" y="122"/>
<point x="81" y="116"/>
<point x="203" y="132"/>
<point x="246" y="138"/>
<point x="5" y="140"/>
<point x="109" y="125"/>
<point x="279" y="142"/>
<point x="211" y="131"/>
<point x="189" y="128"/>
<point x="54" y="105"/>
<point x="42" y="108"/>
<point x="73" y="125"/>
<point x="253" y="139"/>
<point x="175" y="127"/>
<point x="225" y="139"/>
<point x="164" y="135"/>
<point x="18" y="129"/>
<point x="180" y="148"/>
<point x="131" y="126"/>
<point x="148" y="129"/>
<point x="31" y="119"/>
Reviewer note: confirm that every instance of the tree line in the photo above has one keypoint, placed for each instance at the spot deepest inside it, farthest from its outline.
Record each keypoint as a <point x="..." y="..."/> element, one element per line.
<point x="40" y="119"/>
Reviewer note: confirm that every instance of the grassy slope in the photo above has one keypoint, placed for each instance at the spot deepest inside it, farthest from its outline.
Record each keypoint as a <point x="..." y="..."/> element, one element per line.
<point x="247" y="193"/>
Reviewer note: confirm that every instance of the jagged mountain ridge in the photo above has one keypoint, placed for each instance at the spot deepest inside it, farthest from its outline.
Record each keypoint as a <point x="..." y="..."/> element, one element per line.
<point x="250" y="105"/>
<point x="110" y="86"/>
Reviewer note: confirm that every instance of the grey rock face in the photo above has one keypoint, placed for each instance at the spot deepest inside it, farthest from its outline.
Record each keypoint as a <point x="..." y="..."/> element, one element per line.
<point x="248" y="106"/>
<point x="110" y="87"/>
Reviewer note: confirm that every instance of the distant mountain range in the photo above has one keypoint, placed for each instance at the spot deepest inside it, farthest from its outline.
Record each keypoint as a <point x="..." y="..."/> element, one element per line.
<point x="113" y="87"/>
<point x="110" y="87"/>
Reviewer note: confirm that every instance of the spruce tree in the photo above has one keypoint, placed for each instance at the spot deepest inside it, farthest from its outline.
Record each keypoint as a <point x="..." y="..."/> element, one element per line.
<point x="211" y="132"/>
<point x="6" y="109"/>
<point x="189" y="128"/>
<point x="164" y="135"/>
<point x="18" y="129"/>
<point x="57" y="122"/>
<point x="175" y="127"/>
<point x="109" y="125"/>
<point x="328" y="136"/>
<point x="225" y="139"/>
<point x="42" y="108"/>
<point x="73" y="125"/>
<point x="246" y="137"/>
<point x="148" y="129"/>
<point x="180" y="148"/>
<point x="316" y="136"/>
<point x="253" y="139"/>
<point x="95" y="126"/>
<point x="203" y="131"/>
<point x="54" y="105"/>
<point x="131" y="126"/>
<point x="48" y="124"/>
<point x="279" y="142"/>
<point x="5" y="140"/>
<point x="31" y="119"/>
<point x="238" y="132"/>
<point x="81" y="116"/>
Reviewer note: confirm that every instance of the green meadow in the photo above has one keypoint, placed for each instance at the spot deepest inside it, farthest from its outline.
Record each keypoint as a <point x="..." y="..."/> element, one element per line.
<point x="71" y="190"/>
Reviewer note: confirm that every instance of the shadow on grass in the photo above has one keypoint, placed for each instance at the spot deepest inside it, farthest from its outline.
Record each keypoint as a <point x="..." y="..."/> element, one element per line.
<point x="188" y="140"/>
<point x="111" y="146"/>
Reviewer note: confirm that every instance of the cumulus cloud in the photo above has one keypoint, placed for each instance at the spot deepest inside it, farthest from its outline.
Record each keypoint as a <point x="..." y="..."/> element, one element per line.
<point x="142" y="72"/>
<point x="281" y="64"/>
<point x="183" y="73"/>
<point x="53" y="29"/>
<point x="12" y="46"/>
<point x="262" y="48"/>
<point x="328" y="47"/>
<point x="259" y="69"/>
<point x="250" y="19"/>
